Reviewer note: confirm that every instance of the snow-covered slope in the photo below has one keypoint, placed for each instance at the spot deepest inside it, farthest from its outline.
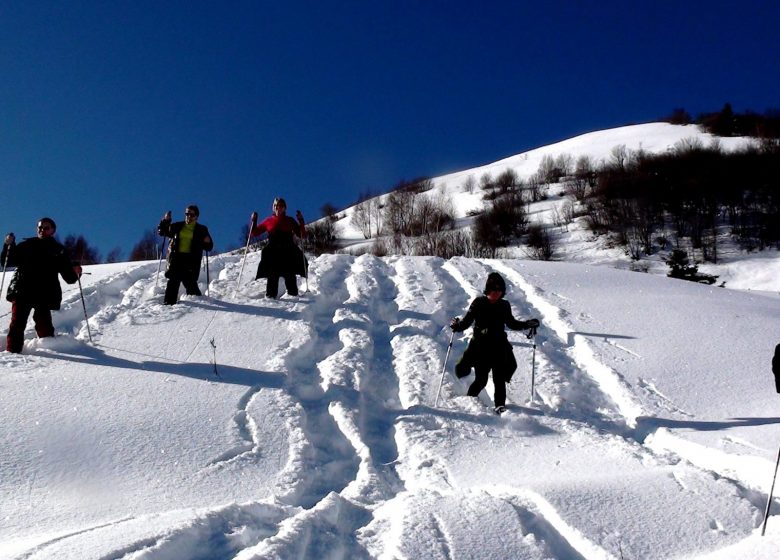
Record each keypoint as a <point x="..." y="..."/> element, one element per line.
<point x="574" y="242"/>
<point x="231" y="426"/>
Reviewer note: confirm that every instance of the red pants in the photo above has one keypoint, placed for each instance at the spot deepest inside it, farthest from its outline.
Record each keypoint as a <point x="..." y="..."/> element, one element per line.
<point x="20" y="312"/>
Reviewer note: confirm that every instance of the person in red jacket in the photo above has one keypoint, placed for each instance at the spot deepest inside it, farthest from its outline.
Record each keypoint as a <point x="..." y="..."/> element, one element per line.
<point x="281" y="258"/>
<point x="35" y="286"/>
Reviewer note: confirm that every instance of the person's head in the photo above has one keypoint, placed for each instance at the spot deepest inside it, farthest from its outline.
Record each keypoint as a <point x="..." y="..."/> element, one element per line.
<point x="46" y="227"/>
<point x="495" y="287"/>
<point x="280" y="206"/>
<point x="191" y="214"/>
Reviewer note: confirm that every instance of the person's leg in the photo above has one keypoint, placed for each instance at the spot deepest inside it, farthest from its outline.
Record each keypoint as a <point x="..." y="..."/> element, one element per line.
<point x="291" y="285"/>
<point x="19" y="315"/>
<point x="481" y="379"/>
<point x="190" y="278"/>
<point x="500" y="394"/>
<point x="272" y="287"/>
<point x="43" y="325"/>
<point x="172" y="291"/>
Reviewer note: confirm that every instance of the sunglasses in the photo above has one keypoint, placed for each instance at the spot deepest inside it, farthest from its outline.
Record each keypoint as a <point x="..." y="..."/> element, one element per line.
<point x="190" y="214"/>
<point x="44" y="228"/>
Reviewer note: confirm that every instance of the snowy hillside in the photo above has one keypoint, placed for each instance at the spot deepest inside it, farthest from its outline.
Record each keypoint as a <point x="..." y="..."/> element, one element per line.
<point x="231" y="426"/>
<point x="574" y="242"/>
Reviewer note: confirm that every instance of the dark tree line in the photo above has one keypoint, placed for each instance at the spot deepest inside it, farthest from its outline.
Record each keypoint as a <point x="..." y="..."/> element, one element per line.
<point x="690" y="192"/>
<point x="728" y="123"/>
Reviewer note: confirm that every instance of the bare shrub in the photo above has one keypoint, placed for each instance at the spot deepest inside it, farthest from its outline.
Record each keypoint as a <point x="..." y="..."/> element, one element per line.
<point x="540" y="243"/>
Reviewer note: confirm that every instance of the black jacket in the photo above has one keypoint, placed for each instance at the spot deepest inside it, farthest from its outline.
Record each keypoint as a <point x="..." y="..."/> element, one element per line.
<point x="38" y="262"/>
<point x="489" y="345"/>
<point x="199" y="243"/>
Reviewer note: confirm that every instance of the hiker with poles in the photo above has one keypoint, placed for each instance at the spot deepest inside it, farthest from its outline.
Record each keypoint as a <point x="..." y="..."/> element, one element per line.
<point x="35" y="286"/>
<point x="776" y="373"/>
<point x="281" y="258"/>
<point x="189" y="240"/>
<point x="489" y="348"/>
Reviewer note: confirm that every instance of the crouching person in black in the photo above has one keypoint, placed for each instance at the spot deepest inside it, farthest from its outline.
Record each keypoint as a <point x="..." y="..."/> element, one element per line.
<point x="489" y="348"/>
<point x="188" y="241"/>
<point x="35" y="286"/>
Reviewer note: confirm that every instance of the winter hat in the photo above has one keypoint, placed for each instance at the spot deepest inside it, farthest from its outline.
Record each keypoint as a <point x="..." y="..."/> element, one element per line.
<point x="495" y="282"/>
<point x="280" y="200"/>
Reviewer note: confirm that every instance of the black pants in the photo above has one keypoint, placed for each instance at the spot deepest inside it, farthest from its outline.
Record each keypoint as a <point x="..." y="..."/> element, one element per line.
<point x="184" y="268"/>
<point x="290" y="284"/>
<point x="20" y="312"/>
<point x="481" y="373"/>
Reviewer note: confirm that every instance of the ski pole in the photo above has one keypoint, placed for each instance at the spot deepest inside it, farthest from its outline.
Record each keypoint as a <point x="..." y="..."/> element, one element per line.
<point x="444" y="368"/>
<point x="769" y="498"/>
<point x="84" y="306"/>
<point x="252" y="222"/>
<point x="5" y="264"/>
<point x="162" y="252"/>
<point x="305" y="270"/>
<point x="532" y="335"/>
<point x="159" y="263"/>
<point x="207" y="273"/>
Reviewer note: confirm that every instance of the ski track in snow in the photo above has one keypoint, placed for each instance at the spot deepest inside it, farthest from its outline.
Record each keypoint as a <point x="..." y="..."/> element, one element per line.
<point x="354" y="390"/>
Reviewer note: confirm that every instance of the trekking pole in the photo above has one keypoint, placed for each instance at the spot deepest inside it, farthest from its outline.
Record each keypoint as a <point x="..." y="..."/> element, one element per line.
<point x="532" y="336"/>
<point x="207" y="274"/>
<point x="84" y="306"/>
<point x="305" y="269"/>
<point x="252" y="222"/>
<point x="162" y="252"/>
<point x="5" y="265"/>
<point x="159" y="263"/>
<point x="444" y="368"/>
<point x="769" y="498"/>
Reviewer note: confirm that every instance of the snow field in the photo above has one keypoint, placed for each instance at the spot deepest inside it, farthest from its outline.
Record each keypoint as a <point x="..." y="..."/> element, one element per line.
<point x="231" y="426"/>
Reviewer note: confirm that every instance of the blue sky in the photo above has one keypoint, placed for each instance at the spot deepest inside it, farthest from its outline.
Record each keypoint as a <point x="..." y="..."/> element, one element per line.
<point x="112" y="113"/>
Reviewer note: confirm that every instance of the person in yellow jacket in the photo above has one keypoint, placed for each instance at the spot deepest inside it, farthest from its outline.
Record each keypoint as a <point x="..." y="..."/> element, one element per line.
<point x="188" y="241"/>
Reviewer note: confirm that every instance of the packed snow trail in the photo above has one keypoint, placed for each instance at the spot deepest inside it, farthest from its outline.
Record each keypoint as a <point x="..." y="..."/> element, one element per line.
<point x="318" y="437"/>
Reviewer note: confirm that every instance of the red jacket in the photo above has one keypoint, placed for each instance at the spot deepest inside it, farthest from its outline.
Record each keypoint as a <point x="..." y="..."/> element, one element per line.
<point x="276" y="225"/>
<point x="281" y="257"/>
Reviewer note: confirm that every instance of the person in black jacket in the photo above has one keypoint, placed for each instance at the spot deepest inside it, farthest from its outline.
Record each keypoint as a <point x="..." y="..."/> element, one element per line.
<point x="35" y="286"/>
<point x="188" y="241"/>
<point x="489" y="348"/>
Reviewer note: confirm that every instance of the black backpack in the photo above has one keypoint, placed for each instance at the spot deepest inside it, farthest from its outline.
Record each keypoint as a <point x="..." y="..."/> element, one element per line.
<point x="776" y="367"/>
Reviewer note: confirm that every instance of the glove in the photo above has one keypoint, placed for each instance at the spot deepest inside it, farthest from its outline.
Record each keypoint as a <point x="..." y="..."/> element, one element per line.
<point x="10" y="239"/>
<point x="532" y="323"/>
<point x="455" y="323"/>
<point x="78" y="270"/>
<point x="253" y="218"/>
<point x="167" y="217"/>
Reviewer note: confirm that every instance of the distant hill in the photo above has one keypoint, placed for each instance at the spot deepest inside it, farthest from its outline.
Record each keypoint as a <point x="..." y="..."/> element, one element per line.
<point x="542" y="204"/>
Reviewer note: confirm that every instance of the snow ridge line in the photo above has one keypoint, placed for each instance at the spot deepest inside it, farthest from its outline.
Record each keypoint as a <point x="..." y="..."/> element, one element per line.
<point x="574" y="538"/>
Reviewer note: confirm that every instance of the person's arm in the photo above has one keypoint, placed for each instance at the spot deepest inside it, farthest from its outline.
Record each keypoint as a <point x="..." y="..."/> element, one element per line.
<point x="164" y="228"/>
<point x="301" y="224"/>
<point x="514" y="324"/>
<point x="8" y="253"/>
<point x="70" y="272"/>
<point x="460" y="325"/>
<point x="208" y="242"/>
<point x="260" y="228"/>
